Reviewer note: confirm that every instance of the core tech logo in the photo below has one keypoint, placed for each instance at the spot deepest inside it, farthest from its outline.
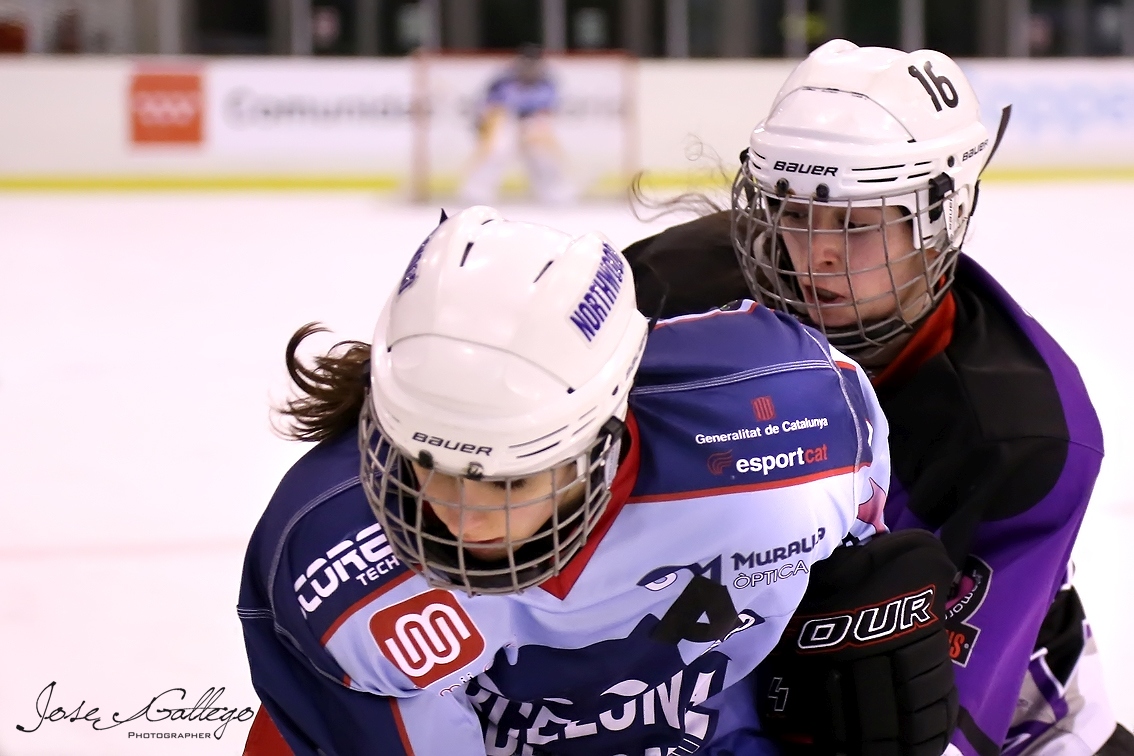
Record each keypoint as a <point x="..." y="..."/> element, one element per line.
<point x="869" y="624"/>
<point x="719" y="462"/>
<point x="814" y="170"/>
<point x="368" y="556"/>
<point x="427" y="637"/>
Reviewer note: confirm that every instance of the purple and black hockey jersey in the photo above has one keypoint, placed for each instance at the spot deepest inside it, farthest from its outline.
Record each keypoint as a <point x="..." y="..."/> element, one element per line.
<point x="754" y="450"/>
<point x="995" y="448"/>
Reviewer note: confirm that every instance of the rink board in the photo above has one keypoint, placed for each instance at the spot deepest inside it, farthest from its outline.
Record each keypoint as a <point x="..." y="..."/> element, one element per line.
<point x="396" y="124"/>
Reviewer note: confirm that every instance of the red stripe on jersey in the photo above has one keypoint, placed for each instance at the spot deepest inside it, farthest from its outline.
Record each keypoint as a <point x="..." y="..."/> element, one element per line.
<point x="723" y="490"/>
<point x="264" y="738"/>
<point x="928" y="341"/>
<point x="560" y="585"/>
<point x="702" y="316"/>
<point x="350" y="610"/>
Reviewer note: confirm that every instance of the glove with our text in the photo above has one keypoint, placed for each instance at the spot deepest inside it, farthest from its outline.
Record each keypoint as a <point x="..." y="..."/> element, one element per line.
<point x="863" y="668"/>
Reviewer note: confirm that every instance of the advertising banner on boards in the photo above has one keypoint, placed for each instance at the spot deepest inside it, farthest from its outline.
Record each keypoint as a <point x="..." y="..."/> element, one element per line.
<point x="341" y="113"/>
<point x="1064" y="112"/>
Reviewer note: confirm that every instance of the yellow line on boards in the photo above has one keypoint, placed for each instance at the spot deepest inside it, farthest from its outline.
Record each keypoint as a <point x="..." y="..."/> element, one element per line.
<point x="1097" y="173"/>
<point x="200" y="183"/>
<point x="608" y="185"/>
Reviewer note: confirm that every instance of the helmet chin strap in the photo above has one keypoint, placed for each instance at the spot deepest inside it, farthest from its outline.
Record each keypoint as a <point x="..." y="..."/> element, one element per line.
<point x="1005" y="116"/>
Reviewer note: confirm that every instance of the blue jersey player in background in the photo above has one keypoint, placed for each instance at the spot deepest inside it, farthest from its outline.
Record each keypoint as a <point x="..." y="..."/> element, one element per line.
<point x="516" y="116"/>
<point x="535" y="523"/>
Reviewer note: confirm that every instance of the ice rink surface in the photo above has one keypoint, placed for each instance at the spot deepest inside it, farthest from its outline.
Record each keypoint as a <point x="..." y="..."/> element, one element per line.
<point x="142" y="344"/>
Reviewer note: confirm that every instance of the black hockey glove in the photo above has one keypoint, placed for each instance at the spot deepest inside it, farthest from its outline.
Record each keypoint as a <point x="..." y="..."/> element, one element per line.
<point x="863" y="667"/>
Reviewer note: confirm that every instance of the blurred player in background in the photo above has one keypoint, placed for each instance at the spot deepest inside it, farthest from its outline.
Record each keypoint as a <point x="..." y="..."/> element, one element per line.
<point x="849" y="212"/>
<point x="517" y="116"/>
<point x="536" y="525"/>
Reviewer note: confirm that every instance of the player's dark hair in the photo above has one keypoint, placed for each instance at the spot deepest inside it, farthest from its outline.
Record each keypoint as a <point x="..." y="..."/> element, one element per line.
<point x="647" y="208"/>
<point x="330" y="390"/>
<point x="698" y="202"/>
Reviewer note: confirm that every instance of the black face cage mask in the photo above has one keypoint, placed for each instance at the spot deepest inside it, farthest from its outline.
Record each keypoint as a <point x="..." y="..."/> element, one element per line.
<point x="424" y="544"/>
<point x="757" y="235"/>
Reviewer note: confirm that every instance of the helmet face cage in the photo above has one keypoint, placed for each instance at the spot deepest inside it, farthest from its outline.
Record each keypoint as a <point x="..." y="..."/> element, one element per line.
<point x="423" y="543"/>
<point x="758" y="229"/>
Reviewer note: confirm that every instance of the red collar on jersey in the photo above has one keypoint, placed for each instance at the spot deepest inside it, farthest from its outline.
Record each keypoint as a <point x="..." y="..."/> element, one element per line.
<point x="560" y="585"/>
<point x="929" y="341"/>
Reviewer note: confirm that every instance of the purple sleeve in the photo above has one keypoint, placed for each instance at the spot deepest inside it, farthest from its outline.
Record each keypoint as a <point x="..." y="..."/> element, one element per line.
<point x="1028" y="557"/>
<point x="1027" y="553"/>
<point x="1021" y="493"/>
<point x="1014" y="568"/>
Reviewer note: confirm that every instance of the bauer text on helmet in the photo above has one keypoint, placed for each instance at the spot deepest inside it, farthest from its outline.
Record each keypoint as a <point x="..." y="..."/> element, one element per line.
<point x="499" y="379"/>
<point x="864" y="172"/>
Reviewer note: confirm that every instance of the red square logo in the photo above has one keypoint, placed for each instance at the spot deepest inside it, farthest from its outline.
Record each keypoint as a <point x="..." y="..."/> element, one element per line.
<point x="428" y="636"/>
<point x="763" y="408"/>
<point x="166" y="107"/>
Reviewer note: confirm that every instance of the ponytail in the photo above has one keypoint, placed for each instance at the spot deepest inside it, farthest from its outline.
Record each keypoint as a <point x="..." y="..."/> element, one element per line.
<point x="330" y="391"/>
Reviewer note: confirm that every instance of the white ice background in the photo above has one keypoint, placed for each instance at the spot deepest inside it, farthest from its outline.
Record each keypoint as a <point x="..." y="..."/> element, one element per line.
<point x="141" y="345"/>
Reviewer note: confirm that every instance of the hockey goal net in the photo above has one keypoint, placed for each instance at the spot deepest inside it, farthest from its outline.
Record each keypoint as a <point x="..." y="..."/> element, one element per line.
<point x="593" y="123"/>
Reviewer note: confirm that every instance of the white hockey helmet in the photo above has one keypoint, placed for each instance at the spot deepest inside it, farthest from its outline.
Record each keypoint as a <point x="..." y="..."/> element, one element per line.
<point x="863" y="127"/>
<point x="508" y="349"/>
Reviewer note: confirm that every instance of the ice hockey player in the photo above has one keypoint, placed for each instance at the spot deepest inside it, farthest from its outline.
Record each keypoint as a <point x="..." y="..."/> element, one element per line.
<point x="516" y="118"/>
<point x="849" y="212"/>
<point x="535" y="525"/>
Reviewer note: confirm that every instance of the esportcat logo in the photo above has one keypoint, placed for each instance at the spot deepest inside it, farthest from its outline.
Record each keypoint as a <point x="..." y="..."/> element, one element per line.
<point x="770" y="462"/>
<point x="719" y="461"/>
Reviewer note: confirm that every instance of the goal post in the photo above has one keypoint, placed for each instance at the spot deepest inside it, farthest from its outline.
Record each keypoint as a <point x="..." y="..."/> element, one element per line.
<point x="594" y="124"/>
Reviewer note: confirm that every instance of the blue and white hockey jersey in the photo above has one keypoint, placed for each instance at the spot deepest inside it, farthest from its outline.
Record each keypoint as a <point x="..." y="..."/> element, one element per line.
<point x="754" y="451"/>
<point x="522" y="99"/>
